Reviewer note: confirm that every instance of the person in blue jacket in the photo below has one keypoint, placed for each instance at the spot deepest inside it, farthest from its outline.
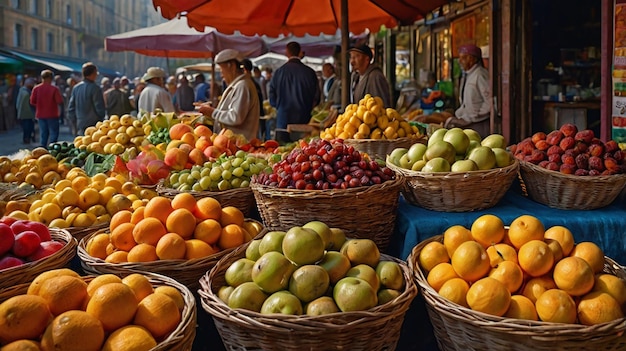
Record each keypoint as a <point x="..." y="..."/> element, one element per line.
<point x="293" y="91"/>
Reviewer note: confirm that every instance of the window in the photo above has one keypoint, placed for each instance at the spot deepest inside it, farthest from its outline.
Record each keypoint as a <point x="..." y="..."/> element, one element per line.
<point x="15" y="4"/>
<point x="34" y="7"/>
<point x="34" y="39"/>
<point x="50" y="42"/>
<point x="68" y="46"/>
<point x="18" y="35"/>
<point x="98" y="25"/>
<point x="79" y="18"/>
<point x="79" y="48"/>
<point x="48" y="8"/>
<point x="68" y="14"/>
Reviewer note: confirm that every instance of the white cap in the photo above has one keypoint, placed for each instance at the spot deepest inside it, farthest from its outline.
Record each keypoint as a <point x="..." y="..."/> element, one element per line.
<point x="227" y="55"/>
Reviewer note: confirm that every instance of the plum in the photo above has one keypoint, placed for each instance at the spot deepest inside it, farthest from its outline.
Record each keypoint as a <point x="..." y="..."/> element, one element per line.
<point x="582" y="161"/>
<point x="554" y="149"/>
<point x="568" y="159"/>
<point x="554" y="137"/>
<point x="596" y="163"/>
<point x="585" y="136"/>
<point x="567" y="143"/>
<point x="538" y="136"/>
<point x="596" y="150"/>
<point x="569" y="129"/>
<point x="542" y="145"/>
<point x="581" y="172"/>
<point x="567" y="168"/>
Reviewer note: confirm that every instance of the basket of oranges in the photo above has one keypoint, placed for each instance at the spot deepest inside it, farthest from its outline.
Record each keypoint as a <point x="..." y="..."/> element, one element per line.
<point x="520" y="288"/>
<point x="62" y="310"/>
<point x="34" y="248"/>
<point x="180" y="238"/>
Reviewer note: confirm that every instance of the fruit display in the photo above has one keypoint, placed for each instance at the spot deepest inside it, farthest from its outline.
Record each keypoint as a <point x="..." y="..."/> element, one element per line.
<point x="310" y="270"/>
<point x="323" y="164"/>
<point x="523" y="271"/>
<point x="23" y="241"/>
<point x="570" y="151"/>
<point x="171" y="229"/>
<point x="226" y="172"/>
<point x="454" y="150"/>
<point x="369" y="120"/>
<point x="63" y="311"/>
<point x="37" y="168"/>
<point x="114" y="136"/>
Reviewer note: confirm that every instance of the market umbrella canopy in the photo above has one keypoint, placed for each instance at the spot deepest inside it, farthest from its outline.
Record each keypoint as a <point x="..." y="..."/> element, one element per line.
<point x="322" y="45"/>
<point x="176" y="39"/>
<point x="274" y="17"/>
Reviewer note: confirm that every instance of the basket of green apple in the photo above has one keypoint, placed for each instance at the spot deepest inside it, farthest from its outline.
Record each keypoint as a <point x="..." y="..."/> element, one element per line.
<point x="457" y="171"/>
<point x="308" y="288"/>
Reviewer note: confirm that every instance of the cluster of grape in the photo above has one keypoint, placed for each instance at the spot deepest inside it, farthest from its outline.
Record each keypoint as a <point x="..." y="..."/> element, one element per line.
<point x="227" y="172"/>
<point x="324" y="164"/>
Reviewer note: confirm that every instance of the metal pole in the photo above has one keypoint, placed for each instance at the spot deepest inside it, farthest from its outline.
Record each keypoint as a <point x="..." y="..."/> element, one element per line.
<point x="345" y="62"/>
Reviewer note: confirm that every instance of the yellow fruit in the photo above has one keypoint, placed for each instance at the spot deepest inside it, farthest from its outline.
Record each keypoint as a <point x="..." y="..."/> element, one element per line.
<point x="563" y="236"/>
<point x="521" y="308"/>
<point x="159" y="314"/>
<point x="101" y="280"/>
<point x="455" y="290"/>
<point x="455" y="236"/>
<point x="140" y="285"/>
<point x="524" y="229"/>
<point x="22" y="345"/>
<point x="556" y="306"/>
<point x="591" y="253"/>
<point x="129" y="338"/>
<point x="432" y="254"/>
<point x="63" y="293"/>
<point x="440" y="274"/>
<point x="118" y="203"/>
<point x="574" y="276"/>
<point x="537" y="286"/>
<point x="23" y="317"/>
<point x="173" y="293"/>
<point x="509" y="274"/>
<point x="501" y="252"/>
<point x="611" y="285"/>
<point x="598" y="307"/>
<point x="73" y="331"/>
<point x="488" y="295"/>
<point x="97" y="245"/>
<point x="33" y="288"/>
<point x="114" y="304"/>
<point x="84" y="220"/>
<point x="470" y="261"/>
<point x="535" y="258"/>
<point x="487" y="230"/>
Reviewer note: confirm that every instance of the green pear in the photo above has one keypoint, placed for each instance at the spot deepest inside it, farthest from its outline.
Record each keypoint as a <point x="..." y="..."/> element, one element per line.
<point x="437" y="135"/>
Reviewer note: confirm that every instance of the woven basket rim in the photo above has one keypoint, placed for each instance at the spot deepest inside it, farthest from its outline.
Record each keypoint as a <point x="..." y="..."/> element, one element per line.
<point x="164" y="190"/>
<point x="443" y="175"/>
<point x="339" y="320"/>
<point x="397" y="140"/>
<point x="535" y="329"/>
<point x="571" y="177"/>
<point x="273" y="190"/>
<point x="63" y="256"/>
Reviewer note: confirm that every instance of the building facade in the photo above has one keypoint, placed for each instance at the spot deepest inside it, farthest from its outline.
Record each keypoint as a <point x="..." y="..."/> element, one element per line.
<point x="73" y="31"/>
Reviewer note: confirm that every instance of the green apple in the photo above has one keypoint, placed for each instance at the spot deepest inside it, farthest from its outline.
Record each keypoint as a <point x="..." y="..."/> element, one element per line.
<point x="405" y="162"/>
<point x="494" y="140"/>
<point x="224" y="293"/>
<point x="386" y="295"/>
<point x="484" y="157"/>
<point x="309" y="282"/>
<point x="337" y="239"/>
<point x="303" y="246"/>
<point x="248" y="296"/>
<point x="441" y="149"/>
<point x="437" y="135"/>
<point x="464" y="166"/>
<point x="395" y="155"/>
<point x="282" y="302"/>
<point x="272" y="271"/>
<point x="354" y="294"/>
<point x="366" y="273"/>
<point x="437" y="164"/>
<point x="272" y="241"/>
<point x="321" y="305"/>
<point x="390" y="275"/>
<point x="252" y="251"/>
<point x="322" y="229"/>
<point x="458" y="139"/>
<point x="472" y="145"/>
<point x="503" y="157"/>
<point x="239" y="272"/>
<point x="417" y="166"/>
<point x="416" y="152"/>
<point x="336" y="265"/>
<point x="472" y="134"/>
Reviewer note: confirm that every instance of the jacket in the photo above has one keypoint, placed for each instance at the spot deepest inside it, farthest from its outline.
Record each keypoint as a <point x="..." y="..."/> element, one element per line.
<point x="24" y="109"/>
<point x="238" y="110"/>
<point x="372" y="82"/>
<point x="475" y="95"/>
<point x="86" y="107"/>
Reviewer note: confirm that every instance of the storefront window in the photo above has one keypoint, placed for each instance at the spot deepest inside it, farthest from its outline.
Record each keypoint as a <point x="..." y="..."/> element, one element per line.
<point x="403" y="59"/>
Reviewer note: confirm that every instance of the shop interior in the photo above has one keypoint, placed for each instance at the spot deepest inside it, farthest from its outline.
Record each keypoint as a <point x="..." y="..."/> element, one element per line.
<point x="566" y="64"/>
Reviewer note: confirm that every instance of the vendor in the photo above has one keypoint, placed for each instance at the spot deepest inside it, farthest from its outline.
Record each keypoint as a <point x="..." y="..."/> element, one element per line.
<point x="475" y="94"/>
<point x="238" y="109"/>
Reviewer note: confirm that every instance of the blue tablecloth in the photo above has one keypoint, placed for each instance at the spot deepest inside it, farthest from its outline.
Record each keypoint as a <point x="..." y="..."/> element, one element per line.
<point x="606" y="226"/>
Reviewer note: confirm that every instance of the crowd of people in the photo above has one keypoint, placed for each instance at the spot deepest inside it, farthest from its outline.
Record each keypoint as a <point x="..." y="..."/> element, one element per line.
<point x="294" y="89"/>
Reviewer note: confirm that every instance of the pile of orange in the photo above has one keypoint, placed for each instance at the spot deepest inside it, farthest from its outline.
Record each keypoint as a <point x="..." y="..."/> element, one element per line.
<point x="524" y="271"/>
<point x="169" y="229"/>
<point x="61" y="311"/>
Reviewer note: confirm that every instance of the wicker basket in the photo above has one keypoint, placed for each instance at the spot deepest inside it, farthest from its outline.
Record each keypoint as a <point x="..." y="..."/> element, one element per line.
<point x="27" y="272"/>
<point x="81" y="232"/>
<point x="375" y="329"/>
<point x="363" y="212"/>
<point x="570" y="192"/>
<point x="242" y="198"/>
<point x="181" y="339"/>
<point x="457" y="191"/>
<point x="462" y="329"/>
<point x="380" y="148"/>
<point x="187" y="272"/>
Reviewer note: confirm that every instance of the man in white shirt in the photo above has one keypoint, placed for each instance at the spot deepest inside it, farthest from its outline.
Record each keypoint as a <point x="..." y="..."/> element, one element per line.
<point x="154" y="96"/>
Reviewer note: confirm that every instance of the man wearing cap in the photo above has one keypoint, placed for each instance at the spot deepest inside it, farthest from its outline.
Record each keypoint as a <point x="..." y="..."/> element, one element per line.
<point x="86" y="106"/>
<point x="238" y="109"/>
<point x="154" y="96"/>
<point x="367" y="78"/>
<point x="47" y="99"/>
<point x="475" y="93"/>
<point x="293" y="91"/>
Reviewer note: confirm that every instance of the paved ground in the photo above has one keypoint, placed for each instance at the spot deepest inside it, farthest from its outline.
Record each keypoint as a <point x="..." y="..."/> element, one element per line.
<point x="11" y="140"/>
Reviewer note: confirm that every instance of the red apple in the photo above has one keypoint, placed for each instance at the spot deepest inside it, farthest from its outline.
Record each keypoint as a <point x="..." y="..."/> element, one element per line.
<point x="19" y="226"/>
<point x="10" y="261"/>
<point x="45" y="249"/>
<point x="26" y="243"/>
<point x="6" y="238"/>
<point x="41" y="230"/>
<point x="585" y="136"/>
<point x="8" y="220"/>
<point x="569" y="129"/>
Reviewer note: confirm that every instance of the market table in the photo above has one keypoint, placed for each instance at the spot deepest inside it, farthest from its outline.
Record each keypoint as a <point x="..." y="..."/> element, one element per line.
<point x="606" y="226"/>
